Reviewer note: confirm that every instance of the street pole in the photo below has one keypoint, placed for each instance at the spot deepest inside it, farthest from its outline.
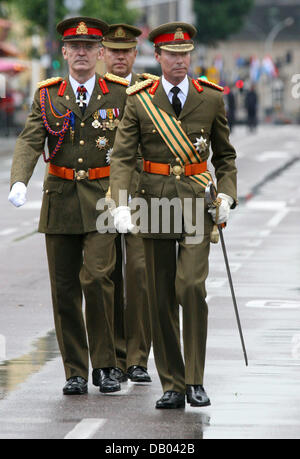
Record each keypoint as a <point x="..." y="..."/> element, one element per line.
<point x="185" y="11"/>
<point x="51" y="34"/>
<point x="287" y="22"/>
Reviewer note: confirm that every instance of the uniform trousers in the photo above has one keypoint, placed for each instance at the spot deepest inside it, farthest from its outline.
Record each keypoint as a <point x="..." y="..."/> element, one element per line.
<point x="132" y="323"/>
<point x="83" y="264"/>
<point x="175" y="279"/>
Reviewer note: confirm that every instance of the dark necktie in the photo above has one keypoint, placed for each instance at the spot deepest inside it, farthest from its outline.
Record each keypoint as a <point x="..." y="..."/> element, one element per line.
<point x="176" y="101"/>
<point x="81" y="91"/>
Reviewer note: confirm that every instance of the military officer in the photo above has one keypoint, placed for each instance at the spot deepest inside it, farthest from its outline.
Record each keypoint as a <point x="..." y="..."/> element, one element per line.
<point x="78" y="116"/>
<point x="132" y="323"/>
<point x="175" y="120"/>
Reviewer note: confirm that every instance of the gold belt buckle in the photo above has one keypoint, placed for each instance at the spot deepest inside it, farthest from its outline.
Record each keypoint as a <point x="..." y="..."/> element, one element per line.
<point x="81" y="175"/>
<point x="177" y="170"/>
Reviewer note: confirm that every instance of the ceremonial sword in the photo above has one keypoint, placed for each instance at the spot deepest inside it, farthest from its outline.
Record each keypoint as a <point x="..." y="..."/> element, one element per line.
<point x="212" y="201"/>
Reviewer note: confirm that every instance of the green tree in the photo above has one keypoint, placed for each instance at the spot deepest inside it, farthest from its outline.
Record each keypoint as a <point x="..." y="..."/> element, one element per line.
<point x="218" y="19"/>
<point x="111" y="11"/>
<point x="36" y="12"/>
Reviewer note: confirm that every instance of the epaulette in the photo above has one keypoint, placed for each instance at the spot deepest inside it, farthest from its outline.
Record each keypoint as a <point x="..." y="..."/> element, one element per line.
<point x="197" y="85"/>
<point x="149" y="76"/>
<point x="210" y="84"/>
<point x="116" y="79"/>
<point x="138" y="87"/>
<point x="49" y="82"/>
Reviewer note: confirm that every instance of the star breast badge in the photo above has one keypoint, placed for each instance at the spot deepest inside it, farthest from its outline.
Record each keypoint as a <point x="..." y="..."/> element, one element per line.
<point x="201" y="144"/>
<point x="102" y="143"/>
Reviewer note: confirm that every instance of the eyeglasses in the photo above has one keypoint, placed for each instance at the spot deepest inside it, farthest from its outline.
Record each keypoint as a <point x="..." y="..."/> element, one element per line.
<point x="85" y="46"/>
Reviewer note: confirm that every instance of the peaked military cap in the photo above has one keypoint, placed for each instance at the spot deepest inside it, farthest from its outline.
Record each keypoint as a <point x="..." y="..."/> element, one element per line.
<point x="82" y="29"/>
<point x="174" y="36"/>
<point x="121" y="36"/>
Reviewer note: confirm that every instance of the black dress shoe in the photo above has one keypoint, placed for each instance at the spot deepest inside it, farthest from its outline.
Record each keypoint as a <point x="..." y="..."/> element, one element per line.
<point x="171" y="400"/>
<point x="118" y="374"/>
<point x="75" y="386"/>
<point x="103" y="378"/>
<point x="197" y="396"/>
<point x="138" y="374"/>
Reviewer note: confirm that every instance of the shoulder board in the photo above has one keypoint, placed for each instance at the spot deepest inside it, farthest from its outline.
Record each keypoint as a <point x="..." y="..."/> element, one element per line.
<point x="49" y="82"/>
<point x="149" y="76"/>
<point x="138" y="87"/>
<point x="210" y="84"/>
<point x="116" y="79"/>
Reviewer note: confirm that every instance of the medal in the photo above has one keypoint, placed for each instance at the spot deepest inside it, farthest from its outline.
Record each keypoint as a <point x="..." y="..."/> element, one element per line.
<point x="102" y="143"/>
<point x="110" y="114"/>
<point x="72" y="127"/>
<point x="103" y="116"/>
<point x="96" y="123"/>
<point x="108" y="156"/>
<point x="201" y="144"/>
<point x="116" y="112"/>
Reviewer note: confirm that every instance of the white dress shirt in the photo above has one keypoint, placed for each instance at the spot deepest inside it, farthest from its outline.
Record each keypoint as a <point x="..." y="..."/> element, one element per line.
<point x="129" y="77"/>
<point x="183" y="86"/>
<point x="89" y="86"/>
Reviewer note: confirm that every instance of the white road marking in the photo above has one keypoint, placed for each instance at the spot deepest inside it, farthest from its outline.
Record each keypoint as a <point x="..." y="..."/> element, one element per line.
<point x="267" y="155"/>
<point x="85" y="429"/>
<point x="253" y="243"/>
<point x="8" y="231"/>
<point x="266" y="205"/>
<point x="274" y="304"/>
<point x="278" y="217"/>
<point x="264" y="233"/>
<point x="241" y="254"/>
<point x="216" y="282"/>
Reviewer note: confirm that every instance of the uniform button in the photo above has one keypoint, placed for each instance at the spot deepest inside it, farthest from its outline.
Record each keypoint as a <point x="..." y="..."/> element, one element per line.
<point x="47" y="191"/>
<point x="154" y="131"/>
<point x="82" y="142"/>
<point x="80" y="160"/>
<point x="177" y="177"/>
<point x="178" y="160"/>
<point x="143" y="191"/>
<point x="179" y="122"/>
<point x="57" y="124"/>
<point x="82" y="124"/>
<point x="202" y="131"/>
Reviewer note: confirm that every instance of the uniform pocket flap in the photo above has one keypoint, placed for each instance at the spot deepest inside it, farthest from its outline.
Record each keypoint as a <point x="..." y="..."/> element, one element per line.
<point x="53" y="187"/>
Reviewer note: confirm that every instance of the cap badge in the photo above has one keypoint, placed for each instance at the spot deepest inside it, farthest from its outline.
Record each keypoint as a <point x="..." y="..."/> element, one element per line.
<point x="82" y="29"/>
<point x="179" y="35"/>
<point x="120" y="33"/>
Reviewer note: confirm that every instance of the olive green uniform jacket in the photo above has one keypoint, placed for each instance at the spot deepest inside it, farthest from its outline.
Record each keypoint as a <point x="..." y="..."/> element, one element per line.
<point x="68" y="207"/>
<point x="202" y="115"/>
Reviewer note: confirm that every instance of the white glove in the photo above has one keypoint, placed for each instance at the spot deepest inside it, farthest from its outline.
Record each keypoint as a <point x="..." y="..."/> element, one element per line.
<point x="17" y="195"/>
<point x="122" y="219"/>
<point x="224" y="209"/>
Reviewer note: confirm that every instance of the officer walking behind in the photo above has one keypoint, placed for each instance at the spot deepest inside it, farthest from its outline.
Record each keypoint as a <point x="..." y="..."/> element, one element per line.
<point x="78" y="116"/>
<point x="174" y="120"/>
<point x="131" y="320"/>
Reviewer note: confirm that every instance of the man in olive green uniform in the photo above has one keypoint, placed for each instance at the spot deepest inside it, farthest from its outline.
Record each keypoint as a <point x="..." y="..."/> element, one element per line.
<point x="78" y="116"/>
<point x="132" y="320"/>
<point x="175" y="120"/>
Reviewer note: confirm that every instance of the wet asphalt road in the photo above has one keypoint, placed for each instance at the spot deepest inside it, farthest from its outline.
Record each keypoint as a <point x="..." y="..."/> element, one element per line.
<point x="258" y="401"/>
